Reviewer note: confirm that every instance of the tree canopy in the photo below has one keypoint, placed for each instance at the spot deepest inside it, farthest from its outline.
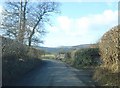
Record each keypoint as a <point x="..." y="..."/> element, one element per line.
<point x="25" y="20"/>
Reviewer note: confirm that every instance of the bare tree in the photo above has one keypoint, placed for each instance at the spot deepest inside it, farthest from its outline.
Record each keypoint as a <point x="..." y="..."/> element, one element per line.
<point x="23" y="20"/>
<point x="10" y="20"/>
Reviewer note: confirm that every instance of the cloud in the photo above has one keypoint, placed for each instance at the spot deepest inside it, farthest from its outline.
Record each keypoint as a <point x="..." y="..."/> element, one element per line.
<point x="64" y="22"/>
<point x="53" y="29"/>
<point x="107" y="17"/>
<point x="1" y="8"/>
<point x="82" y="30"/>
<point x="83" y="25"/>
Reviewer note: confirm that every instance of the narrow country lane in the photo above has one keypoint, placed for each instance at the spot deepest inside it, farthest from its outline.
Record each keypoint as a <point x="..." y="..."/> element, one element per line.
<point x="55" y="73"/>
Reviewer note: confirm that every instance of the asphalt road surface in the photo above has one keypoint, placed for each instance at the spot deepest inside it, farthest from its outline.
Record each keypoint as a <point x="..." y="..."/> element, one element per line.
<point x="55" y="73"/>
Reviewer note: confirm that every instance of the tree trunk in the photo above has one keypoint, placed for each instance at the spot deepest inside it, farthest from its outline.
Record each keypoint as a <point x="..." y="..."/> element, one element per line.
<point x="30" y="38"/>
<point x="33" y="31"/>
<point x="30" y="41"/>
<point x="22" y="22"/>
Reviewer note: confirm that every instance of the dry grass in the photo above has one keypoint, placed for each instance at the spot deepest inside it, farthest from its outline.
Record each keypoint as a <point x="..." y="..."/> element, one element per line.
<point x="105" y="78"/>
<point x="110" y="49"/>
<point x="108" y="73"/>
<point x="17" y="59"/>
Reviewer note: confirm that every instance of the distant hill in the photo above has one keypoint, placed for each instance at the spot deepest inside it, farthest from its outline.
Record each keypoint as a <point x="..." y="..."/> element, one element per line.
<point x="65" y="48"/>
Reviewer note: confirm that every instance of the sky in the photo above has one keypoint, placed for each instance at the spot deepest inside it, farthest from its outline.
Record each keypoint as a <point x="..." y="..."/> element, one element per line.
<point x="80" y="23"/>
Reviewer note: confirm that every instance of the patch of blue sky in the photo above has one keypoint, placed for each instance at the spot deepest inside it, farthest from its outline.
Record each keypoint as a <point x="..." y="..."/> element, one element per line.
<point x="78" y="9"/>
